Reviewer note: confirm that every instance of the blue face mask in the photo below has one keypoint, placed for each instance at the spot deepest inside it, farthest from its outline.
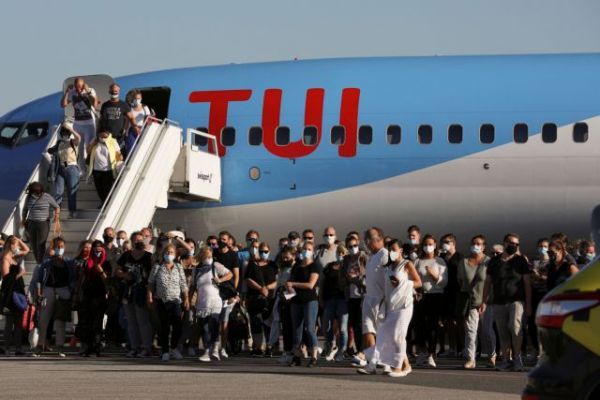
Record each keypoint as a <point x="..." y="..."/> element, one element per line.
<point x="340" y="258"/>
<point x="306" y="254"/>
<point x="542" y="251"/>
<point x="475" y="249"/>
<point x="265" y="256"/>
<point x="590" y="256"/>
<point x="59" y="251"/>
<point x="169" y="258"/>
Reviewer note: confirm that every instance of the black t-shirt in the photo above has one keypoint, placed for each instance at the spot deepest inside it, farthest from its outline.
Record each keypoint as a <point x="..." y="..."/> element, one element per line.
<point x="264" y="276"/>
<point x="507" y="279"/>
<point x="113" y="116"/>
<point x="302" y="273"/>
<point x="139" y="268"/>
<point x="58" y="275"/>
<point x="556" y="276"/>
<point x="229" y="259"/>
<point x="333" y="283"/>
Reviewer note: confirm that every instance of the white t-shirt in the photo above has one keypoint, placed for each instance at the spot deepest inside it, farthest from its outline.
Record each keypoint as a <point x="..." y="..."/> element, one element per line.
<point x="401" y="296"/>
<point x="101" y="158"/>
<point x="209" y="301"/>
<point x="140" y="116"/>
<point x="438" y="265"/>
<point x="375" y="274"/>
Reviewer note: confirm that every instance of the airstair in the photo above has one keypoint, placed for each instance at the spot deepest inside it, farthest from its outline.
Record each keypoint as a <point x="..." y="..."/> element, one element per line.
<point x="162" y="166"/>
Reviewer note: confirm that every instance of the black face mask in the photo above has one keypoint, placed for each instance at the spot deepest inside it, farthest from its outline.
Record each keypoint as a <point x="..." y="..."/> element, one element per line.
<point x="140" y="245"/>
<point x="511" y="249"/>
<point x="552" y="256"/>
<point x="108" y="239"/>
<point x="222" y="245"/>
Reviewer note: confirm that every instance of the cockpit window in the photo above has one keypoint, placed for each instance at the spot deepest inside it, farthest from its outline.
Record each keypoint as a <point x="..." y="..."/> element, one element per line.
<point x="19" y="134"/>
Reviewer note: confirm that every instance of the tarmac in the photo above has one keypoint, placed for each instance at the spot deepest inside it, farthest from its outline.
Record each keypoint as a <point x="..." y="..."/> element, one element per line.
<point x="241" y="377"/>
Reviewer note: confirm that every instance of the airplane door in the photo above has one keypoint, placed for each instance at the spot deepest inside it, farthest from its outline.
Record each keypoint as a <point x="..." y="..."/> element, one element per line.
<point x="100" y="83"/>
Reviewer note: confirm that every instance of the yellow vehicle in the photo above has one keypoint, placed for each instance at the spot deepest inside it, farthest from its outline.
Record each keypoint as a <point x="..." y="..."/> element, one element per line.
<point x="568" y="321"/>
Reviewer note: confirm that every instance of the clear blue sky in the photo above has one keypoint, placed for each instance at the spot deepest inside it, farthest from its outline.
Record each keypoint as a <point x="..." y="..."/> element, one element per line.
<point x="45" y="41"/>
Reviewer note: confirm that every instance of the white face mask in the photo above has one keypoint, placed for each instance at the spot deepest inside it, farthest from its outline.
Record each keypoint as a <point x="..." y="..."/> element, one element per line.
<point x="475" y="249"/>
<point x="120" y="242"/>
<point x="102" y="140"/>
<point x="429" y="249"/>
<point x="413" y="256"/>
<point x="59" y="251"/>
<point x="446" y="247"/>
<point x="295" y="243"/>
<point x="354" y="250"/>
<point x="393" y="256"/>
<point x="208" y="261"/>
<point x="136" y="102"/>
<point x="330" y="239"/>
<point x="414" y="241"/>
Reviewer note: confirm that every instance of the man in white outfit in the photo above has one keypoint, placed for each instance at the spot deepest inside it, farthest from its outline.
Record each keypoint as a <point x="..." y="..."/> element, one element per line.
<point x="375" y="285"/>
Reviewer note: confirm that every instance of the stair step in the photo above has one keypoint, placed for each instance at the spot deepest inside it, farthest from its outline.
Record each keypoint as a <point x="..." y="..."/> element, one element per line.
<point x="78" y="224"/>
<point x="82" y="213"/>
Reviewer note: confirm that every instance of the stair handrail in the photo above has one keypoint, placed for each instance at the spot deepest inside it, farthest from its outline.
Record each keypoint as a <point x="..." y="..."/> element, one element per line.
<point x="14" y="217"/>
<point x="126" y="167"/>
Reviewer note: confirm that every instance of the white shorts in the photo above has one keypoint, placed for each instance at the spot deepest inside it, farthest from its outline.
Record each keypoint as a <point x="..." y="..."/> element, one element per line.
<point x="370" y="314"/>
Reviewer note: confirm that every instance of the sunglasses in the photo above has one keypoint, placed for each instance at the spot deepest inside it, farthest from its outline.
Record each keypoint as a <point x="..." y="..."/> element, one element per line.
<point x="328" y="235"/>
<point x="251" y="239"/>
<point x="308" y="237"/>
<point x="263" y="251"/>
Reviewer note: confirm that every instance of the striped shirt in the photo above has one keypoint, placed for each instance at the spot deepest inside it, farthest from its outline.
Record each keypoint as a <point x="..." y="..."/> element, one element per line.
<point x="38" y="208"/>
<point x="168" y="284"/>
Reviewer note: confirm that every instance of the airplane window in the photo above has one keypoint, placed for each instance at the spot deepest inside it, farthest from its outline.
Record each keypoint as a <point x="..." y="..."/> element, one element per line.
<point x="201" y="141"/>
<point x="425" y="134"/>
<point x="580" y="132"/>
<point x="549" y="133"/>
<point x="520" y="133"/>
<point x="282" y="136"/>
<point x="8" y="134"/>
<point x="487" y="132"/>
<point x="394" y="134"/>
<point x="32" y="132"/>
<point x="365" y="134"/>
<point x="338" y="135"/>
<point x="228" y="136"/>
<point x="255" y="136"/>
<point x="309" y="137"/>
<point x="455" y="134"/>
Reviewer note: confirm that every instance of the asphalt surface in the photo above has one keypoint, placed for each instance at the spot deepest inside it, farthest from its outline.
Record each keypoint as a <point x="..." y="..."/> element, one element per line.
<point x="240" y="377"/>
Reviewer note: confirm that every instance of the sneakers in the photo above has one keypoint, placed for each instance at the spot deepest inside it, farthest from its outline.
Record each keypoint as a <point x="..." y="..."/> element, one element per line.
<point x="312" y="363"/>
<point x="431" y="362"/>
<point x="387" y="369"/>
<point x="224" y="354"/>
<point x="329" y="355"/>
<point x="205" y="357"/>
<point x="131" y="354"/>
<point x="165" y="357"/>
<point x="370" y="369"/>
<point x="61" y="354"/>
<point x="358" y="362"/>
<point x="176" y="354"/>
<point x="397" y="374"/>
<point x="339" y="356"/>
<point x="215" y="354"/>
<point x="296" y="362"/>
<point x="191" y="352"/>
<point x="517" y="365"/>
<point x="407" y="371"/>
<point x="504" y="366"/>
<point x="144" y="354"/>
<point x="470" y="364"/>
<point x="256" y="353"/>
<point x="268" y="352"/>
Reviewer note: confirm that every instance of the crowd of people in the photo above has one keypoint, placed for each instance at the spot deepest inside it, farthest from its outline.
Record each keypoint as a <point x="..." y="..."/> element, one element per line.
<point x="374" y="299"/>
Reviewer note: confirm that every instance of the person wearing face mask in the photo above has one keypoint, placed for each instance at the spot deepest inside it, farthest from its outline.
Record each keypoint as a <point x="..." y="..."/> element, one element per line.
<point x="303" y="282"/>
<point x="104" y="158"/>
<point x="115" y="114"/>
<point x="112" y="247"/>
<point x="120" y="239"/>
<point x="208" y="304"/>
<point x="65" y="166"/>
<point x="12" y="272"/>
<point x="249" y="252"/>
<point x="327" y="252"/>
<point x="294" y="240"/>
<point x="282" y="317"/>
<point x="559" y="267"/>
<point x="414" y="236"/>
<point x="229" y="259"/>
<point x="140" y="113"/>
<point x="55" y="281"/>
<point x="354" y="269"/>
<point x="538" y="277"/>
<point x="148" y="235"/>
<point x="92" y="296"/>
<point x="168" y="293"/>
<point x="471" y="276"/>
<point x="335" y="305"/>
<point x="308" y="235"/>
<point x="133" y="269"/>
<point x="261" y="279"/>
<point x="452" y="328"/>
<point x="587" y="253"/>
<point x="189" y="337"/>
<point x="36" y="218"/>
<point x="375" y="276"/>
<point x="402" y="279"/>
<point x="510" y="287"/>
<point x="84" y="101"/>
<point x="428" y="310"/>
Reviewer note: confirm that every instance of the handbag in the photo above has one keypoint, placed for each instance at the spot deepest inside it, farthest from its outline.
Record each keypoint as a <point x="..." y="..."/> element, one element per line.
<point x="463" y="301"/>
<point x="226" y="289"/>
<point x="19" y="302"/>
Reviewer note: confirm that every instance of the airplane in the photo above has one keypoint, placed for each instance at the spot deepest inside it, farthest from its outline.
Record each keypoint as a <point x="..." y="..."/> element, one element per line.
<point x="462" y="144"/>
